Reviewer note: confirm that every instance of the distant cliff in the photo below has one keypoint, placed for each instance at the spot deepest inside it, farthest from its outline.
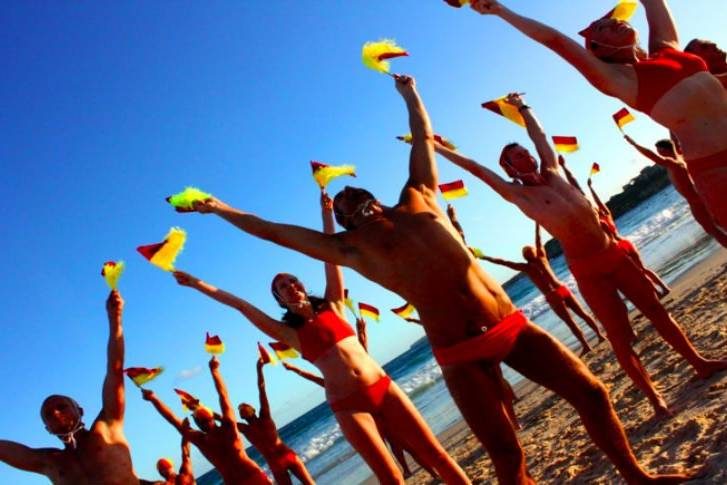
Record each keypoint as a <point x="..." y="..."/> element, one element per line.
<point x="650" y="181"/>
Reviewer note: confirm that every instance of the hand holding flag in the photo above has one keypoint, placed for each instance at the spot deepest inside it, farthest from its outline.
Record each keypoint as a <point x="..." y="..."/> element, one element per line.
<point x="502" y="107"/>
<point x="375" y="54"/>
<point x="184" y="200"/>
<point x="111" y="271"/>
<point x="437" y="138"/>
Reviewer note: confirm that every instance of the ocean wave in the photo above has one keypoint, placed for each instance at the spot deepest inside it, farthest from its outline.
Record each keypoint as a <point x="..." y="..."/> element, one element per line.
<point x="321" y="442"/>
<point x="428" y="375"/>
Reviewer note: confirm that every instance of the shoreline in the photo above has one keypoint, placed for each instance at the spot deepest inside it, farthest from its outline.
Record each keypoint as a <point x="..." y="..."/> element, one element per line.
<point x="557" y="448"/>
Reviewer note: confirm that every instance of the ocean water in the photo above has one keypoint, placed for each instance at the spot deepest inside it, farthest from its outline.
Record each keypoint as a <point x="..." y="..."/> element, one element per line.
<point x="669" y="241"/>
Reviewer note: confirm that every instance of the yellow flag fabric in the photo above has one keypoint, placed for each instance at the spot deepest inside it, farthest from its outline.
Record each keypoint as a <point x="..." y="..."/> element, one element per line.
<point x="185" y="198"/>
<point x="503" y="108"/>
<point x="375" y="54"/>
<point x="164" y="254"/>
<point x="323" y="174"/>
<point x="142" y="375"/>
<point x="111" y="272"/>
<point x="624" y="10"/>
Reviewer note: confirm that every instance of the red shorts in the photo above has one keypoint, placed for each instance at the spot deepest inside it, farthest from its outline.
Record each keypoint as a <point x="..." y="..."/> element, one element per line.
<point x="368" y="399"/>
<point x="492" y="346"/>
<point x="562" y="291"/>
<point x="597" y="264"/>
<point x="282" y="460"/>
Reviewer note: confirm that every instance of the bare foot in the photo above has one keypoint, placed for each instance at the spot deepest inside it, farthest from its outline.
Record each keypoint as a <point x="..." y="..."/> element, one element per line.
<point x="710" y="367"/>
<point x="661" y="410"/>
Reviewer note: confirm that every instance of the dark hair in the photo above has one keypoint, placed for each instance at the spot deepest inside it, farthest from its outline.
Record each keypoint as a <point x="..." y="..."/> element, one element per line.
<point x="665" y="144"/>
<point x="693" y="44"/>
<point x="294" y="320"/>
<point x="504" y="158"/>
<point x="342" y="219"/>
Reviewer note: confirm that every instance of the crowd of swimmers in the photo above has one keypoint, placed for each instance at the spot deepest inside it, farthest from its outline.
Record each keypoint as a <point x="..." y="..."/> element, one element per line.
<point x="416" y="250"/>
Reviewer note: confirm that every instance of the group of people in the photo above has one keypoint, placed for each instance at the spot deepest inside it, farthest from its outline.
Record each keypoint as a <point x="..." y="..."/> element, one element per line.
<point x="416" y="250"/>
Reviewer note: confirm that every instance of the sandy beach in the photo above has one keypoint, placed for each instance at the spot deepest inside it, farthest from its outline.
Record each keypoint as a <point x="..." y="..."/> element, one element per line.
<point x="557" y="447"/>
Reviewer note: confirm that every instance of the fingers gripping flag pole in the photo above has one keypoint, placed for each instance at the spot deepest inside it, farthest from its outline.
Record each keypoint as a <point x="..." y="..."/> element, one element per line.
<point x="501" y="107"/>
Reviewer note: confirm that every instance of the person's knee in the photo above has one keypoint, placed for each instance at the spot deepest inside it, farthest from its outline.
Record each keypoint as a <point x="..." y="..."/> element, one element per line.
<point x="592" y="393"/>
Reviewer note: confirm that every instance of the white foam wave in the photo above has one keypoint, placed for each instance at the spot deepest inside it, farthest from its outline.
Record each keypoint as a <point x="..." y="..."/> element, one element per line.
<point x="320" y="443"/>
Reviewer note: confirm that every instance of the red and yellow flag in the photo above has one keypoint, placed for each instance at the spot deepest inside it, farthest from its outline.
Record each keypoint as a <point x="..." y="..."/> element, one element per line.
<point x="368" y="311"/>
<point x="375" y="54"/>
<point x="503" y="108"/>
<point x="185" y="199"/>
<point x="164" y="253"/>
<point x="265" y="355"/>
<point x="595" y="168"/>
<point x="404" y="311"/>
<point x="622" y="117"/>
<point x="189" y="402"/>
<point x="284" y="351"/>
<point x="213" y="344"/>
<point x="565" y="144"/>
<point x="111" y="271"/>
<point x="348" y="301"/>
<point x="624" y="10"/>
<point x="323" y="173"/>
<point x="453" y="190"/>
<point x="438" y="138"/>
<point x="457" y="3"/>
<point x="142" y="375"/>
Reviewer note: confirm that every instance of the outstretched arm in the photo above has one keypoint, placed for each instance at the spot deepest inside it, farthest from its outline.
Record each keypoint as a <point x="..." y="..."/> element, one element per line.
<point x="257" y="317"/>
<point x="536" y="134"/>
<point x="163" y="409"/>
<point x="651" y="155"/>
<point x="334" y="276"/>
<point x="662" y="29"/>
<point x="325" y="247"/>
<point x="601" y="206"/>
<point x="304" y="374"/>
<point x="113" y="386"/>
<point x="603" y="76"/>
<point x="569" y="175"/>
<point x="506" y="263"/>
<point x="422" y="163"/>
<point x="228" y="412"/>
<point x="22" y="457"/>
<point x="452" y="214"/>
<point x="264" y="404"/>
<point x="363" y="338"/>
<point x="538" y="241"/>
<point x="506" y="190"/>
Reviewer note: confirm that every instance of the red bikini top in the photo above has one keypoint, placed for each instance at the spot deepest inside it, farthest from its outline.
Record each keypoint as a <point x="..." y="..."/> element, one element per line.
<point x="661" y="72"/>
<point x="319" y="335"/>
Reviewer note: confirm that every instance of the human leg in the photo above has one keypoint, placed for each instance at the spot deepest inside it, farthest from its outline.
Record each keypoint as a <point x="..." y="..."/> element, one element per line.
<point x="576" y="307"/>
<point x="557" y="304"/>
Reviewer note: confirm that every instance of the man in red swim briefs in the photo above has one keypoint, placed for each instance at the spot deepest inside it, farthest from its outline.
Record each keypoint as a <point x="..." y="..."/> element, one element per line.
<point x="413" y="250"/>
<point x="600" y="265"/>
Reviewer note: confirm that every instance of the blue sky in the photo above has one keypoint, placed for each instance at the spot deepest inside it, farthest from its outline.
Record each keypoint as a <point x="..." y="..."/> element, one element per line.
<point x="107" y="107"/>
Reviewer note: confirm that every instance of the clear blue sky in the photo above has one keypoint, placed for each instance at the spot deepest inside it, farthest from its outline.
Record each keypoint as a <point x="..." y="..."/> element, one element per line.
<point x="107" y="107"/>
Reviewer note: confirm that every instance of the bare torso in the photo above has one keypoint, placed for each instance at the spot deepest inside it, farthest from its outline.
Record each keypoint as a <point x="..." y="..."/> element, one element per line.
<point x="541" y="274"/>
<point x="413" y="250"/>
<point x="101" y="456"/>
<point x="223" y="448"/>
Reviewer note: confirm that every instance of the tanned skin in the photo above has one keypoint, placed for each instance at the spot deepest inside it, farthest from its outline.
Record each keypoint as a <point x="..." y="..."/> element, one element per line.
<point x="675" y="167"/>
<point x="413" y="250"/>
<point x="261" y="431"/>
<point x="694" y="109"/>
<point x="551" y="201"/>
<point x="185" y="476"/>
<point x="715" y="57"/>
<point x="101" y="453"/>
<point x="221" y="445"/>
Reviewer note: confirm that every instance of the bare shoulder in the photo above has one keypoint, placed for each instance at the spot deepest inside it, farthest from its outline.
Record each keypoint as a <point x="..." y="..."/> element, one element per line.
<point x="418" y="199"/>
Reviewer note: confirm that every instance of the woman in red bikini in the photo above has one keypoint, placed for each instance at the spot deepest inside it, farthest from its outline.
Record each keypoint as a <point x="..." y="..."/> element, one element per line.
<point x="357" y="388"/>
<point x="673" y="87"/>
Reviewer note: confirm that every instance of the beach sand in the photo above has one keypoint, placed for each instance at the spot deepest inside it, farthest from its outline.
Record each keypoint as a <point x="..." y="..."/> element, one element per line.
<point x="557" y="447"/>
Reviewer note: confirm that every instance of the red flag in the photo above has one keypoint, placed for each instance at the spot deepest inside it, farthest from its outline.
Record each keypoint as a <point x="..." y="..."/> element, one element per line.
<point x="213" y="344"/>
<point x="189" y="402"/>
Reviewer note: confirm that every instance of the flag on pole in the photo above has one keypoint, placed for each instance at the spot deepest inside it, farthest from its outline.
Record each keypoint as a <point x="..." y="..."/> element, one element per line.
<point x="189" y="402"/>
<point x="503" y="108"/>
<point x="323" y="173"/>
<point x="368" y="311"/>
<point x="565" y="144"/>
<point x="595" y="168"/>
<point x="453" y="190"/>
<point x="284" y="351"/>
<point x="164" y="253"/>
<point x="142" y="375"/>
<point x="348" y="301"/>
<point x="213" y="344"/>
<point x="375" y="54"/>
<point x="111" y="271"/>
<point x="622" y="117"/>
<point x="405" y="311"/>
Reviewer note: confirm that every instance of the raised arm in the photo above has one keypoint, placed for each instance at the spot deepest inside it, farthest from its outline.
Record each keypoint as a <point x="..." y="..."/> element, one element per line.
<point x="603" y="76"/>
<point x="163" y="409"/>
<point x="662" y="29"/>
<point x="363" y="338"/>
<point x="334" y="276"/>
<point x="539" y="241"/>
<point x="569" y="175"/>
<point x="186" y="467"/>
<point x="113" y="386"/>
<point x="422" y="162"/>
<point x="536" y="133"/>
<point x="601" y="206"/>
<point x="228" y="412"/>
<point x="504" y="262"/>
<point x="22" y="457"/>
<point x="452" y="214"/>
<point x="331" y="248"/>
<point x="264" y="404"/>
<point x="504" y="188"/>
<point x="304" y="374"/>
<point x="651" y="155"/>
<point x="257" y="317"/>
